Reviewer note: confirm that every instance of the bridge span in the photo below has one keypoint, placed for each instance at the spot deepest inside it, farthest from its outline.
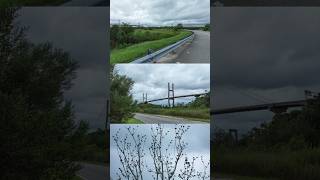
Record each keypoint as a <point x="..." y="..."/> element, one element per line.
<point x="277" y="107"/>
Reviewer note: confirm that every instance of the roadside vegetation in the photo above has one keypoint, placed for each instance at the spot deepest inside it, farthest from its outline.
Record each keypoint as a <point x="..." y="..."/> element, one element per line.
<point x="122" y="103"/>
<point x="205" y="28"/>
<point x="40" y="138"/>
<point x="133" y="121"/>
<point x="286" y="148"/>
<point x="13" y="3"/>
<point x="129" y="43"/>
<point x="198" y="109"/>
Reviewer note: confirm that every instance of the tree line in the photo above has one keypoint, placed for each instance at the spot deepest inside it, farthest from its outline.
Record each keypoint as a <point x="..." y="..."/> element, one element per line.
<point x="39" y="136"/>
<point x="124" y="34"/>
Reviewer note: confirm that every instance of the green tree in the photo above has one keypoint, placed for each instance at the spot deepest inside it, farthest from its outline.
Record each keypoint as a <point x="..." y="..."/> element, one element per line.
<point x="121" y="35"/>
<point x="122" y="103"/>
<point x="38" y="131"/>
<point x="206" y="27"/>
<point x="201" y="101"/>
<point x="178" y="27"/>
<point x="114" y="35"/>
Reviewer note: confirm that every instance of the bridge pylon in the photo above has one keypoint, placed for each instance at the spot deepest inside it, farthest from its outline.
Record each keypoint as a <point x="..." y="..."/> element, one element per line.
<point x="170" y="95"/>
<point x="145" y="98"/>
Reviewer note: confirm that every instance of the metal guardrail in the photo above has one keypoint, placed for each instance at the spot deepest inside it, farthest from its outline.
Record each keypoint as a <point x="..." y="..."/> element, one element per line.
<point x="162" y="52"/>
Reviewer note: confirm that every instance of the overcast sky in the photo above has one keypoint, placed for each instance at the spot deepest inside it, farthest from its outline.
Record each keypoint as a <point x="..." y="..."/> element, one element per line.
<point x="153" y="79"/>
<point x="197" y="138"/>
<point x="263" y="55"/>
<point x="82" y="33"/>
<point x="160" y="12"/>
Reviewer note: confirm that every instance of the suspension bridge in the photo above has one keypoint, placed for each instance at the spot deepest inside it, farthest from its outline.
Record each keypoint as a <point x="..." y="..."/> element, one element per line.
<point x="277" y="107"/>
<point x="171" y="96"/>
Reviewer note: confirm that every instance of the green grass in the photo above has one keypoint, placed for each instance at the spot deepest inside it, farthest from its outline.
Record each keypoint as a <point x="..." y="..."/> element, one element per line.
<point x="200" y="114"/>
<point x="154" y="34"/>
<point x="6" y="3"/>
<point x="303" y="164"/>
<point x="130" y="53"/>
<point x="133" y="121"/>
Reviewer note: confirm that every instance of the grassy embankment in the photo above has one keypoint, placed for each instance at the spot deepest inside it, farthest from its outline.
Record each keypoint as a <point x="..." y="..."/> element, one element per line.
<point x="154" y="39"/>
<point x="6" y="3"/>
<point x="133" y="121"/>
<point x="303" y="164"/>
<point x="200" y="114"/>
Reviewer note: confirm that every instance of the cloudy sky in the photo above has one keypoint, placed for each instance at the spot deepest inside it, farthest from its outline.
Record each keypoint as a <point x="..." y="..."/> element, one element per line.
<point x="263" y="55"/>
<point x="160" y="12"/>
<point x="82" y="33"/>
<point x="197" y="145"/>
<point x="153" y="79"/>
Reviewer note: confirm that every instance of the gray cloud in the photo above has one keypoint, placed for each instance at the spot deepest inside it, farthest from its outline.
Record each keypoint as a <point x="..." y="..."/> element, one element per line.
<point x="263" y="55"/>
<point x="81" y="31"/>
<point x="153" y="79"/>
<point x="160" y="12"/>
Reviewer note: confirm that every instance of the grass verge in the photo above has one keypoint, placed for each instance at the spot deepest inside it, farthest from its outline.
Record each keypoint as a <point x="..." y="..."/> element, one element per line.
<point x="128" y="54"/>
<point x="133" y="121"/>
<point x="202" y="114"/>
<point x="303" y="164"/>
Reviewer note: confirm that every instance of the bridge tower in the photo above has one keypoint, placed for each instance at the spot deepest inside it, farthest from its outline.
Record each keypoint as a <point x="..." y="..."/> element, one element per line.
<point x="234" y="134"/>
<point x="170" y="95"/>
<point x="145" y="98"/>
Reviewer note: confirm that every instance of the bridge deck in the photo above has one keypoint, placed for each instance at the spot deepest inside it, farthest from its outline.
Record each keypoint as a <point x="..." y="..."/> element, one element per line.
<point x="267" y="106"/>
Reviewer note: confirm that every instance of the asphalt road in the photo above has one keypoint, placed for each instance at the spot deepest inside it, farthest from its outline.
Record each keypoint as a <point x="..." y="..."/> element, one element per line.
<point x="160" y="119"/>
<point x="93" y="172"/>
<point x="198" y="51"/>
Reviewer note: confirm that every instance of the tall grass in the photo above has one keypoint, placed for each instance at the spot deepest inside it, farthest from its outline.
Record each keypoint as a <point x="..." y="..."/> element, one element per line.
<point x="130" y="53"/>
<point x="303" y="164"/>
<point x="142" y="35"/>
<point x="133" y="121"/>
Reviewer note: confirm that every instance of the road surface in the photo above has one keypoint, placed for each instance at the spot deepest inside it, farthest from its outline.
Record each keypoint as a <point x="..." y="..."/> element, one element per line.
<point x="93" y="172"/>
<point x="198" y="51"/>
<point x="86" y="3"/>
<point x="155" y="119"/>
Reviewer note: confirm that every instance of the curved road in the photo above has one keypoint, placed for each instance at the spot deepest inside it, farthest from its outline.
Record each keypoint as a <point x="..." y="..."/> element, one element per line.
<point x="160" y="119"/>
<point x="93" y="172"/>
<point x="198" y="51"/>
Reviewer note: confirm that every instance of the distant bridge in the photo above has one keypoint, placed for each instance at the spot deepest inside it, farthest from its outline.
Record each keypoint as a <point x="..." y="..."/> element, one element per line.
<point x="274" y="107"/>
<point x="171" y="97"/>
<point x="277" y="107"/>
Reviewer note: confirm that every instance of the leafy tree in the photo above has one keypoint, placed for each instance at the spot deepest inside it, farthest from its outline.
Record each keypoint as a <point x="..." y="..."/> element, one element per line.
<point x="178" y="27"/>
<point x="122" y="103"/>
<point x="121" y="35"/>
<point x="206" y="27"/>
<point x="38" y="131"/>
<point x="201" y="101"/>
